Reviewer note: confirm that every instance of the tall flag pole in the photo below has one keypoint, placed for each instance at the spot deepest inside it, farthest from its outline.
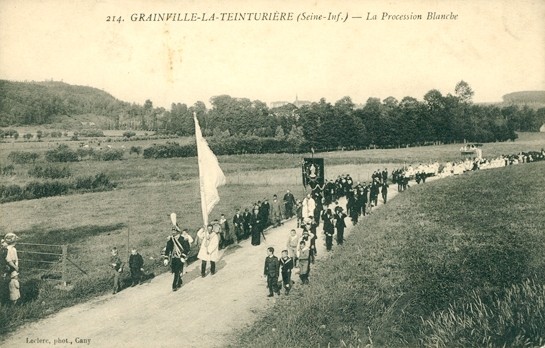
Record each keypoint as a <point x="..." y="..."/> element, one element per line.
<point x="210" y="174"/>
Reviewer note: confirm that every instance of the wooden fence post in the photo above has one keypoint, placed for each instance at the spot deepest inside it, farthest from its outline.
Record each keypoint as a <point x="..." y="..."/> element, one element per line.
<point x="64" y="257"/>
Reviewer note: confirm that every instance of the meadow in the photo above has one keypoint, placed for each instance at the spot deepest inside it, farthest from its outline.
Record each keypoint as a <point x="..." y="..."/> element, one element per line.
<point x="148" y="191"/>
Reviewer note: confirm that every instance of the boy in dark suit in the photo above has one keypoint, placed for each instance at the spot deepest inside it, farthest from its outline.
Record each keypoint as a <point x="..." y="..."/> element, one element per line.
<point x="136" y="264"/>
<point x="271" y="272"/>
<point x="286" y="264"/>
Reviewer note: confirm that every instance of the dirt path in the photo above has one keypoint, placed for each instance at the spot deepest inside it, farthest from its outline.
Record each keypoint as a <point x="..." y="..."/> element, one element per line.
<point x="203" y="313"/>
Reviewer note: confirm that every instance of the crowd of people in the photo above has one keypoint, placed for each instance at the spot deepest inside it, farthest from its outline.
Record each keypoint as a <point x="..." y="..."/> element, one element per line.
<point x="320" y="206"/>
<point x="402" y="176"/>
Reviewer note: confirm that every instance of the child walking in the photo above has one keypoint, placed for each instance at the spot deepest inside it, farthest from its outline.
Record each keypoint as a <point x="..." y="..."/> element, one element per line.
<point x="271" y="272"/>
<point x="286" y="265"/>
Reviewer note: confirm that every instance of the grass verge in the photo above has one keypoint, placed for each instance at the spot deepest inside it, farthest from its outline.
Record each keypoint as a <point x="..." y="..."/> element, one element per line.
<point x="414" y="270"/>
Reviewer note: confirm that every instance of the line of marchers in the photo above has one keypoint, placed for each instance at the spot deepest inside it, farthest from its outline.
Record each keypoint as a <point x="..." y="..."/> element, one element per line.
<point x="403" y="17"/>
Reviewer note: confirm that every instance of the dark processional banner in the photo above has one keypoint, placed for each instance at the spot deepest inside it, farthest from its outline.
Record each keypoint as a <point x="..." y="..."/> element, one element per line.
<point x="313" y="172"/>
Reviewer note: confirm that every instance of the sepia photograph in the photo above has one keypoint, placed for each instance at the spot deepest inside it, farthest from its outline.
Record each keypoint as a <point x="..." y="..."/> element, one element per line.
<point x="314" y="173"/>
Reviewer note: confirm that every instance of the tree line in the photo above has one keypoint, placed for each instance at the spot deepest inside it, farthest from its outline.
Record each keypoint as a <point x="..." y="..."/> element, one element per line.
<point x="321" y="125"/>
<point x="379" y="123"/>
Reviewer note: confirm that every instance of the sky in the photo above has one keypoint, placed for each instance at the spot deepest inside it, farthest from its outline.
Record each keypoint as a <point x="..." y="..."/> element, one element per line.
<point x="496" y="46"/>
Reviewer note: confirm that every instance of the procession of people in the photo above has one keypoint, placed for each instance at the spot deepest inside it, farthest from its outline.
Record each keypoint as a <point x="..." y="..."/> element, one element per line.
<point x="319" y="216"/>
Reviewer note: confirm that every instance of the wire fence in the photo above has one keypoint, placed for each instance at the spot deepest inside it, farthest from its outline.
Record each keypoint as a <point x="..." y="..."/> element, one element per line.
<point x="49" y="260"/>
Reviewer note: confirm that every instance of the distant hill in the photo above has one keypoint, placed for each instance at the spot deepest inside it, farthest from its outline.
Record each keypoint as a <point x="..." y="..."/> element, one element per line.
<point x="42" y="103"/>
<point x="525" y="97"/>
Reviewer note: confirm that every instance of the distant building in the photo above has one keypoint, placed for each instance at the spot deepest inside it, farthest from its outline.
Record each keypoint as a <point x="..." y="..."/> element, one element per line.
<point x="298" y="103"/>
<point x="91" y="124"/>
<point x="542" y="129"/>
<point x="278" y="104"/>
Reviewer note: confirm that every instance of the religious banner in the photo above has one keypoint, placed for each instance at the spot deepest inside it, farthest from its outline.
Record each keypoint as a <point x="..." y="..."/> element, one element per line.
<point x="313" y="172"/>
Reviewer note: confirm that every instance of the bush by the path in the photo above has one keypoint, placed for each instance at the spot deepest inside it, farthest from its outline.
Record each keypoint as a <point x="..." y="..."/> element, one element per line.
<point x="434" y="251"/>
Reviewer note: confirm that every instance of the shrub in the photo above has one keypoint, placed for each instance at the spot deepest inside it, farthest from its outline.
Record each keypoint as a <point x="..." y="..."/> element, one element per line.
<point x="91" y="133"/>
<point x="135" y="149"/>
<point x="129" y="134"/>
<point x="170" y="150"/>
<point x="8" y="170"/>
<point x="85" y="152"/>
<point x="9" y="193"/>
<point x="62" y="154"/>
<point x="45" y="189"/>
<point x="49" y="172"/>
<point x="227" y="146"/>
<point x="100" y="182"/>
<point x="21" y="157"/>
<point x="9" y="133"/>
<point x="108" y="155"/>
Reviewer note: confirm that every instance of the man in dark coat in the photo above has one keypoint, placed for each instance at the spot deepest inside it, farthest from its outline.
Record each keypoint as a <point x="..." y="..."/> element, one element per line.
<point x="271" y="272"/>
<point x="256" y="226"/>
<point x="384" y="192"/>
<point x="329" y="228"/>
<point x="247" y="218"/>
<point x="265" y="211"/>
<point x="238" y="223"/>
<point x="340" y="225"/>
<point x="177" y="250"/>
<point x="289" y="203"/>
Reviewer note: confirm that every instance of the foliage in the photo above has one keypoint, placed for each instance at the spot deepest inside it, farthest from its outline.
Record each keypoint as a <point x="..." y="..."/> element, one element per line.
<point x="23" y="157"/>
<point x="12" y="133"/>
<point x="50" y="188"/>
<point x="39" y="102"/>
<point x="36" y="189"/>
<point x="135" y="149"/>
<point x="99" y="182"/>
<point x="170" y="150"/>
<point x="108" y="155"/>
<point x="228" y="146"/>
<point x="91" y="133"/>
<point x="63" y="153"/>
<point x="8" y="170"/>
<point x="129" y="134"/>
<point x="387" y="123"/>
<point x="525" y="97"/>
<point x="50" y="172"/>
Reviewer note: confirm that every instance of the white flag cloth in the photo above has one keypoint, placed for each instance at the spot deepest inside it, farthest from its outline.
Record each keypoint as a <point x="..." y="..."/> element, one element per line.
<point x="210" y="174"/>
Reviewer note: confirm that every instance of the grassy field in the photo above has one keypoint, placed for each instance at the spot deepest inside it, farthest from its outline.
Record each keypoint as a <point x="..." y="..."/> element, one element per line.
<point x="426" y="270"/>
<point x="148" y="191"/>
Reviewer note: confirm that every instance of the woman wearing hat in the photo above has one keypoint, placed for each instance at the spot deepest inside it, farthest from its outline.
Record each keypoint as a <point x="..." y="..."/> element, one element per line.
<point x="12" y="259"/>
